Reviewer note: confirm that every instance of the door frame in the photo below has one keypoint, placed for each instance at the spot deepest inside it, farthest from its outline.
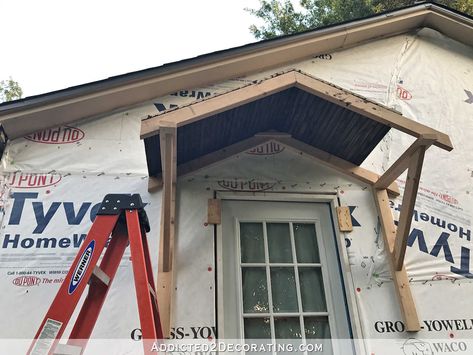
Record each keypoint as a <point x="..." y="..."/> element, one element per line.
<point x="347" y="280"/>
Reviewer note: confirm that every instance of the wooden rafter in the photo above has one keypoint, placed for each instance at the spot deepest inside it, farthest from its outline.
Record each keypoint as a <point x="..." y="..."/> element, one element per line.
<point x="400" y="279"/>
<point x="369" y="109"/>
<point x="168" y="137"/>
<point x="202" y="109"/>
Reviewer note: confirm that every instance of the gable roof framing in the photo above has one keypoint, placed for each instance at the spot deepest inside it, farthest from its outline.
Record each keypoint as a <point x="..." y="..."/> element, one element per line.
<point x="214" y="108"/>
<point x="200" y="110"/>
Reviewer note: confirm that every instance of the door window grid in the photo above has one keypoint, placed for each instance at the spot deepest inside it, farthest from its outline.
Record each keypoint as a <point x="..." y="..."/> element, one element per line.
<point x="304" y="317"/>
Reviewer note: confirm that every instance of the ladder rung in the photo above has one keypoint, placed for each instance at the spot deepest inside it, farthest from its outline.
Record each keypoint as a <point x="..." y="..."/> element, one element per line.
<point x="66" y="349"/>
<point x="111" y="232"/>
<point x="101" y="275"/>
<point x="152" y="292"/>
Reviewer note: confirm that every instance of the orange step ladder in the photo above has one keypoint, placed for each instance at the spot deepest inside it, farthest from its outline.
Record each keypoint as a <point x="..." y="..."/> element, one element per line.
<point x="122" y="217"/>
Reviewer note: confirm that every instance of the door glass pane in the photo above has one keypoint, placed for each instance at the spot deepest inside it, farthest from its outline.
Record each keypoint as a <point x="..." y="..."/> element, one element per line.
<point x="316" y="328"/>
<point x="283" y="288"/>
<point x="257" y="328"/>
<point x="305" y="238"/>
<point x="312" y="289"/>
<point x="287" y="328"/>
<point x="252" y="242"/>
<point x="255" y="290"/>
<point x="279" y="242"/>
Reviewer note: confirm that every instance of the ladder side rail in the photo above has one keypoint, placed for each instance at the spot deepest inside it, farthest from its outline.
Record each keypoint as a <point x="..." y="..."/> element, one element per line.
<point x="149" y="270"/>
<point x="146" y="305"/>
<point x="98" y="291"/>
<point x="73" y="286"/>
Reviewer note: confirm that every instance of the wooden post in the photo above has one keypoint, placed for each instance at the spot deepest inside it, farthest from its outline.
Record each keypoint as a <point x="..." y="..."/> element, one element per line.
<point x="400" y="280"/>
<point x="168" y="138"/>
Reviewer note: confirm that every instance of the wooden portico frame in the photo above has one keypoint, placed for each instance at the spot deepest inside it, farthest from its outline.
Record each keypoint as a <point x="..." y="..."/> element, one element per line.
<point x="395" y="239"/>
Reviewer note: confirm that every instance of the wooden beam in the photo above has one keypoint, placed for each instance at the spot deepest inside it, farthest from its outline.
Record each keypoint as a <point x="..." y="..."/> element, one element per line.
<point x="369" y="109"/>
<point x="334" y="162"/>
<point x="220" y="155"/>
<point x="168" y="137"/>
<point x="401" y="164"/>
<point x="202" y="109"/>
<point x="400" y="279"/>
<point x="407" y="209"/>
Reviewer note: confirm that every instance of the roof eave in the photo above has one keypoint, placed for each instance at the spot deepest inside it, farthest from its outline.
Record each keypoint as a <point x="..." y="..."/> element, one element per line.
<point x="94" y="99"/>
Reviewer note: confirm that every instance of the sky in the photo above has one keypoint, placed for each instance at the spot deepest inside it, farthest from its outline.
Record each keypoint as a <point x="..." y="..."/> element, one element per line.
<point x="49" y="44"/>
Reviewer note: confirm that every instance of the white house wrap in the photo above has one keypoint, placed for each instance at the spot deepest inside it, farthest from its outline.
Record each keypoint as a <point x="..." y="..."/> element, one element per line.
<point x="53" y="181"/>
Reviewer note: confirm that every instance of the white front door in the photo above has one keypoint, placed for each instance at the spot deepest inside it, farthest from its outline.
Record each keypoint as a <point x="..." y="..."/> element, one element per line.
<point x="281" y="276"/>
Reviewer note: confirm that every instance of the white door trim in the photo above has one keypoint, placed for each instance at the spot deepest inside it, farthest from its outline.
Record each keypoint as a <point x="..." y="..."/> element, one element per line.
<point x="347" y="279"/>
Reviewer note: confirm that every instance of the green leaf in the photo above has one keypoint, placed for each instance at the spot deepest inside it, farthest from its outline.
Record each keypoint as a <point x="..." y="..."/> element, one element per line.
<point x="280" y="17"/>
<point x="10" y="90"/>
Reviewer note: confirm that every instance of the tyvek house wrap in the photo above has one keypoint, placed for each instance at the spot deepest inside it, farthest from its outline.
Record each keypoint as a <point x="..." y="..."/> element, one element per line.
<point x="52" y="180"/>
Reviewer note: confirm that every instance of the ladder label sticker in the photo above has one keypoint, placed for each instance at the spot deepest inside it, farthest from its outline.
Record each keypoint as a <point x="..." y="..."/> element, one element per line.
<point x="46" y="338"/>
<point x="81" y="267"/>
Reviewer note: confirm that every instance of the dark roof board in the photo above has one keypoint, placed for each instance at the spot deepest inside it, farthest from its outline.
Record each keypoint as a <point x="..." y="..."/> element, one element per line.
<point x="306" y="117"/>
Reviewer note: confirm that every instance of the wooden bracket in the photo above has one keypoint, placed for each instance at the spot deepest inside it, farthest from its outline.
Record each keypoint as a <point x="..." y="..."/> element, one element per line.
<point x="412" y="159"/>
<point x="214" y="214"/>
<point x="344" y="219"/>
<point x="401" y="164"/>
<point x="400" y="279"/>
<point x="407" y="209"/>
<point x="168" y="137"/>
